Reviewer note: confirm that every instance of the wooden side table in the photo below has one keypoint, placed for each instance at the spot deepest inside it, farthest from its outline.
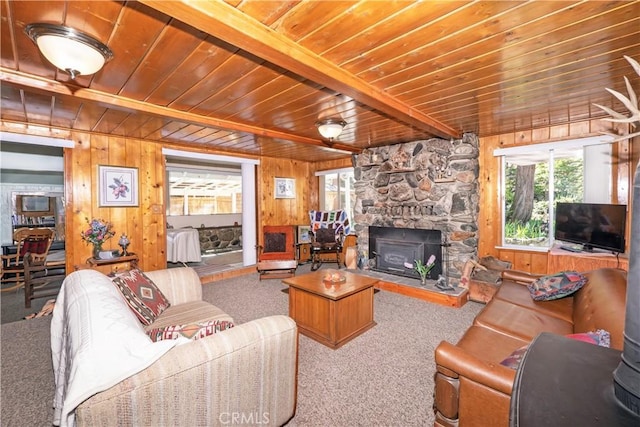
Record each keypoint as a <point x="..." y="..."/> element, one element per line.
<point x="112" y="265"/>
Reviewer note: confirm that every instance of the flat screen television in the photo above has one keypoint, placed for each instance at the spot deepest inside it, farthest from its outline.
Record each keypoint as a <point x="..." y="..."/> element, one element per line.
<point x="592" y="225"/>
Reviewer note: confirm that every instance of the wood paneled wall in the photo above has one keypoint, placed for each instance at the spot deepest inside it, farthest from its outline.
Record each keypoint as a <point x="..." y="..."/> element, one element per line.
<point x="144" y="224"/>
<point x="272" y="211"/>
<point x="489" y="223"/>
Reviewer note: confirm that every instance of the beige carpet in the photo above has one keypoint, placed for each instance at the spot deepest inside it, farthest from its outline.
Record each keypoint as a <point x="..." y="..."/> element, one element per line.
<point x="381" y="378"/>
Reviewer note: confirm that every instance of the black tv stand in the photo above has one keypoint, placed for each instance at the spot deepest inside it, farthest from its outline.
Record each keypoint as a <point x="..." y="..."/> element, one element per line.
<point x="570" y="249"/>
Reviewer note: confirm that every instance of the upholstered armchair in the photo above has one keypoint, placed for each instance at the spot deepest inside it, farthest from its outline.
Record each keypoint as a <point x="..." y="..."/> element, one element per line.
<point x="276" y="254"/>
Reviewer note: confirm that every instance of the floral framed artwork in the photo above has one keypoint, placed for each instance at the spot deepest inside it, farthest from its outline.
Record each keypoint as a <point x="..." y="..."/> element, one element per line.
<point x="117" y="186"/>
<point x="285" y="188"/>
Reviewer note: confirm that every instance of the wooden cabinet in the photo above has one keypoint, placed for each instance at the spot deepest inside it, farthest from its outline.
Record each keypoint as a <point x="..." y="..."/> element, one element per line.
<point x="303" y="253"/>
<point x="559" y="260"/>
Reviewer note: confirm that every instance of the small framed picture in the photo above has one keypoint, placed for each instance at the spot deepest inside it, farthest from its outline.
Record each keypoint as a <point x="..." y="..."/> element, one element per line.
<point x="118" y="186"/>
<point x="304" y="234"/>
<point x="285" y="188"/>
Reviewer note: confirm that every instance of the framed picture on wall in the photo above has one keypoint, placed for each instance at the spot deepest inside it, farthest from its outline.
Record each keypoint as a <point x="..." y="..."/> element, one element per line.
<point x="304" y="234"/>
<point x="117" y="186"/>
<point x="35" y="204"/>
<point x="285" y="188"/>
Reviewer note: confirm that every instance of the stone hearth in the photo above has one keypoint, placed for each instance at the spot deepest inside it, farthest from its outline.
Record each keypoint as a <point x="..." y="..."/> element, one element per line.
<point x="430" y="184"/>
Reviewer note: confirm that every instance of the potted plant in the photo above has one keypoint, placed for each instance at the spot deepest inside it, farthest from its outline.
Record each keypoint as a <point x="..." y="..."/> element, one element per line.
<point x="424" y="269"/>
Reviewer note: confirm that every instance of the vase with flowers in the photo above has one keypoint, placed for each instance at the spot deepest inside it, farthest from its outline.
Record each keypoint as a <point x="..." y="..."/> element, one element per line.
<point x="424" y="269"/>
<point x="99" y="231"/>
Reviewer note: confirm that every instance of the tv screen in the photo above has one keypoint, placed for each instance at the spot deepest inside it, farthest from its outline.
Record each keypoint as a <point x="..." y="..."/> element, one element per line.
<point x="592" y="225"/>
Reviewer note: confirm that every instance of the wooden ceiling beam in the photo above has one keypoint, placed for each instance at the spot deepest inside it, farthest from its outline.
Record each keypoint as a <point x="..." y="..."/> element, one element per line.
<point x="69" y="89"/>
<point x="232" y="26"/>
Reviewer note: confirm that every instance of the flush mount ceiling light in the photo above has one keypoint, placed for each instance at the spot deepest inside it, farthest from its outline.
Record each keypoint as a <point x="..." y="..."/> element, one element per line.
<point x="330" y="128"/>
<point x="68" y="49"/>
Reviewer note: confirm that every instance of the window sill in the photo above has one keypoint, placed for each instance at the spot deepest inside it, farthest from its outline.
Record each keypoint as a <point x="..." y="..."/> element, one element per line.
<point x="523" y="248"/>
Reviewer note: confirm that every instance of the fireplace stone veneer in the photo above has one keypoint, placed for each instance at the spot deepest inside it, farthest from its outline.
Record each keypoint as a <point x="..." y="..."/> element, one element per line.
<point x="425" y="185"/>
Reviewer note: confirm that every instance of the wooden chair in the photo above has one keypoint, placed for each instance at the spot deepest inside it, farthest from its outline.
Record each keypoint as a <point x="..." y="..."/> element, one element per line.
<point x="28" y="240"/>
<point x="41" y="279"/>
<point x="325" y="241"/>
<point x="277" y="254"/>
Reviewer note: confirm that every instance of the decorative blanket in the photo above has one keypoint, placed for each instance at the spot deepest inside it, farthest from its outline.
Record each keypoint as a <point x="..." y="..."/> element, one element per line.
<point x="339" y="220"/>
<point x="96" y="342"/>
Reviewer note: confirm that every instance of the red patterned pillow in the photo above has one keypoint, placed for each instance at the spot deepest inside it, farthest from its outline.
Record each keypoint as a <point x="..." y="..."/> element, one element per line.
<point x="192" y="331"/>
<point x="142" y="295"/>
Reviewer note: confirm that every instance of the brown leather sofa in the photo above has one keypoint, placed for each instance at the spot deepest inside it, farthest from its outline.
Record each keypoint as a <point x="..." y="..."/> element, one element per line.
<point x="472" y="388"/>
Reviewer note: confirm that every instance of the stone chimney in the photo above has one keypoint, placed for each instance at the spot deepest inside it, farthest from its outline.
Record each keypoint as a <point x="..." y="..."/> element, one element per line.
<point x="430" y="184"/>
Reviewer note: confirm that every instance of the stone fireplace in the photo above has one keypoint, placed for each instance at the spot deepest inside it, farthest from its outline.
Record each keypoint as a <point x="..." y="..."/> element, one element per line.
<point x="422" y="185"/>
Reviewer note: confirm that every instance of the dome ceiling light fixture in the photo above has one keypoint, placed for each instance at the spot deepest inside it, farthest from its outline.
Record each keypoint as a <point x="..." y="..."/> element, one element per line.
<point x="68" y="49"/>
<point x="330" y="128"/>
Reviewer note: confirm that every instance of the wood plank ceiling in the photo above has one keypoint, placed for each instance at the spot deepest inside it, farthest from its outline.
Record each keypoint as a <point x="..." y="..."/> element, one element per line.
<point x="252" y="77"/>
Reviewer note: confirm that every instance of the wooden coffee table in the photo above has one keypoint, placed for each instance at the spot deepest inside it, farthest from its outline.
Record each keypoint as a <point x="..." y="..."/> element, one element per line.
<point x="331" y="314"/>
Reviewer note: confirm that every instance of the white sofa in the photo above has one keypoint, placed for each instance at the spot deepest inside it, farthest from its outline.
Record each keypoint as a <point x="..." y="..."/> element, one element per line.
<point x="109" y="372"/>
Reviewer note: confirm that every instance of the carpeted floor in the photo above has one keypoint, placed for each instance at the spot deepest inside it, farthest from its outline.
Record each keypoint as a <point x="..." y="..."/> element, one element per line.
<point x="12" y="306"/>
<point x="383" y="377"/>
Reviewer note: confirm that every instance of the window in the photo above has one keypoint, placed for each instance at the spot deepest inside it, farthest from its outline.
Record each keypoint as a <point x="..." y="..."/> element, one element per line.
<point x="337" y="190"/>
<point x="204" y="191"/>
<point x="536" y="177"/>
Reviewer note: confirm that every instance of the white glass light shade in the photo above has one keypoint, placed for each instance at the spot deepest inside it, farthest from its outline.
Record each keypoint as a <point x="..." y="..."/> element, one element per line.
<point x="330" y="128"/>
<point x="69" y="50"/>
<point x="70" y="55"/>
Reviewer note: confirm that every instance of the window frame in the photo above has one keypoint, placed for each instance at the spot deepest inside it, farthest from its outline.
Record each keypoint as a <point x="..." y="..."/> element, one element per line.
<point x="548" y="147"/>
<point x="199" y="169"/>
<point x="350" y="208"/>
